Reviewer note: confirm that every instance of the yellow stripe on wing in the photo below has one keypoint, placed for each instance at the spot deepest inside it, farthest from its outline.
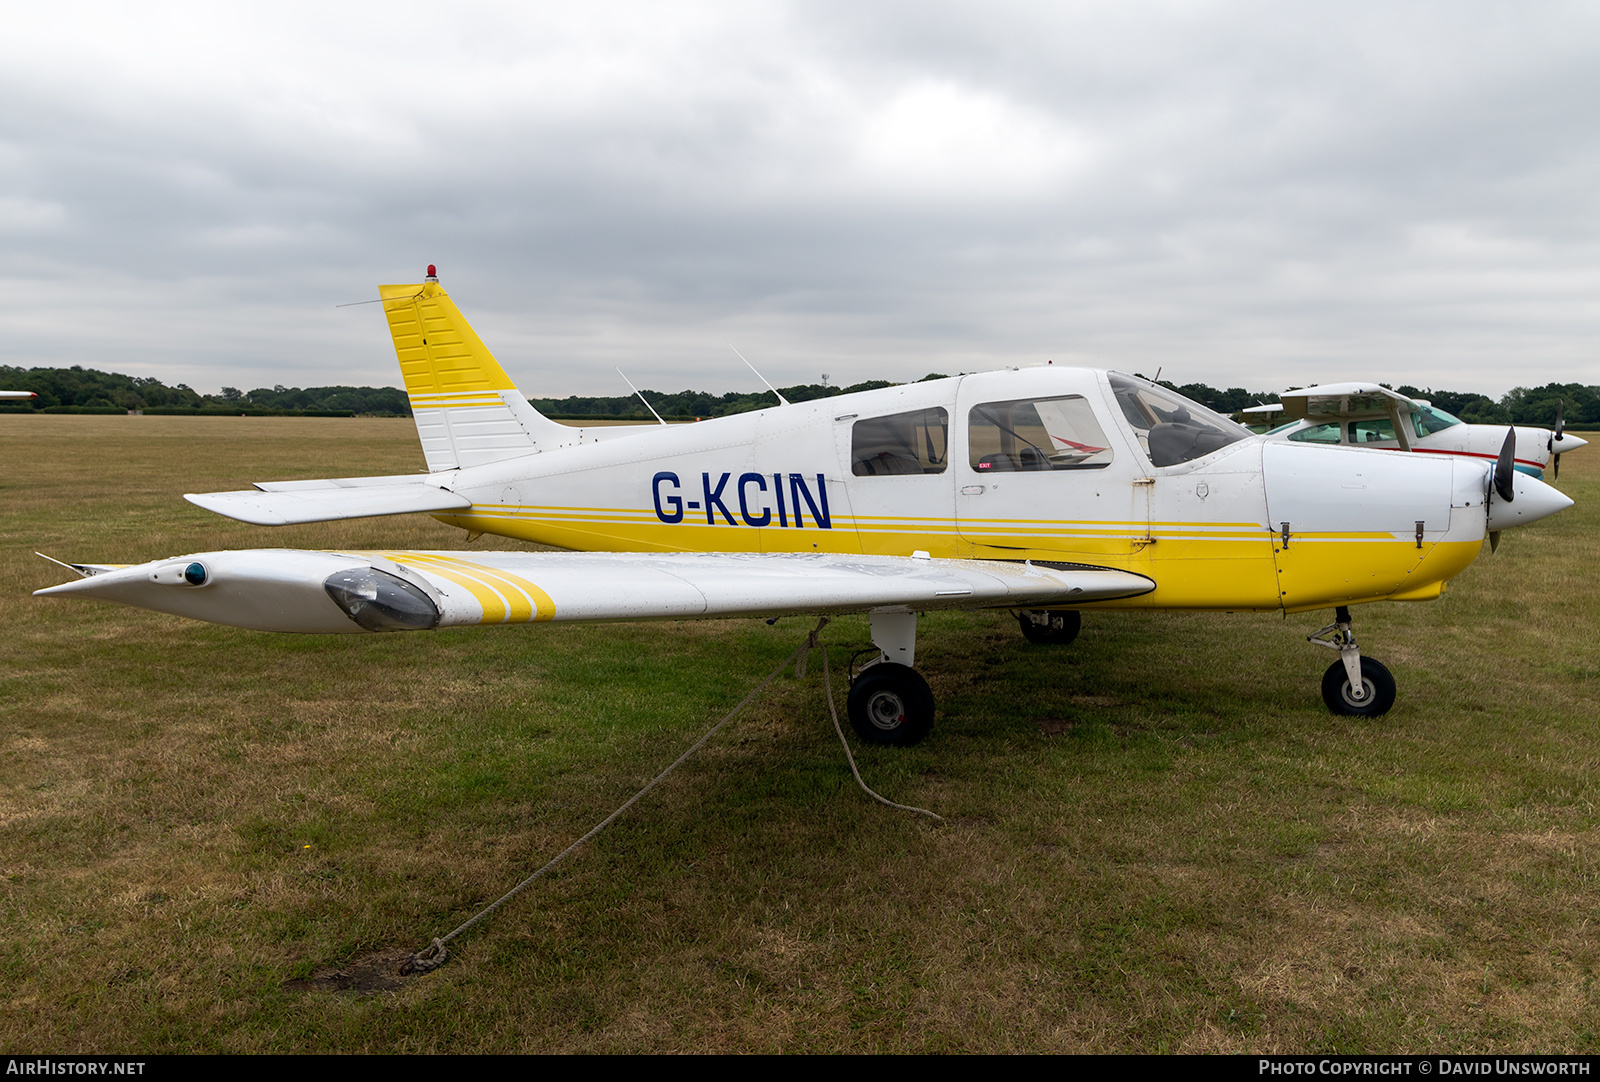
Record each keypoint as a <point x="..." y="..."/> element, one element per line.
<point x="520" y="601"/>
<point x="495" y="607"/>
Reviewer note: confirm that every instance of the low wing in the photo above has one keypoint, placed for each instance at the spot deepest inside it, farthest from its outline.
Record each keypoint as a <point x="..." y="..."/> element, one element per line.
<point x="323" y="592"/>
<point x="1337" y="400"/>
<point x="282" y="503"/>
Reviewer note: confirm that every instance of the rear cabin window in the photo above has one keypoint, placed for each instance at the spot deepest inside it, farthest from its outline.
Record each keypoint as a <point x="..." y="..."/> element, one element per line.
<point x="1036" y="434"/>
<point x="902" y="443"/>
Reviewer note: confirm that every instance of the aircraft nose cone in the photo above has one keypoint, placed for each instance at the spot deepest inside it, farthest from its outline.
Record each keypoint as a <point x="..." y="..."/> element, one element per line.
<point x="1569" y="442"/>
<point x="1531" y="501"/>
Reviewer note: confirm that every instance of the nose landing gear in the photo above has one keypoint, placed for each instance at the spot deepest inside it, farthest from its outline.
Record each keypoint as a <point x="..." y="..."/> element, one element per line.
<point x="1353" y="685"/>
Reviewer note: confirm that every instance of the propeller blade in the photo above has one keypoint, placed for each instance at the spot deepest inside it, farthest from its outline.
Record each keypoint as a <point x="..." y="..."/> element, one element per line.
<point x="1560" y="423"/>
<point x="1558" y="468"/>
<point x="1494" y="542"/>
<point x="1506" y="466"/>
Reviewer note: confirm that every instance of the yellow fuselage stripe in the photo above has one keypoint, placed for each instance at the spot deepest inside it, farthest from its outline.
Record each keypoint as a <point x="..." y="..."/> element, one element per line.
<point x="1194" y="566"/>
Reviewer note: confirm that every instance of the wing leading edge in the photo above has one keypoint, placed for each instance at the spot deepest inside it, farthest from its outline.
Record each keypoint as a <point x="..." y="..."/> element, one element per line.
<point x="329" y="592"/>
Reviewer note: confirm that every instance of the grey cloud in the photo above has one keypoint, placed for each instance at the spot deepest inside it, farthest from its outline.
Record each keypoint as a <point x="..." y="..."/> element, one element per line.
<point x="1242" y="193"/>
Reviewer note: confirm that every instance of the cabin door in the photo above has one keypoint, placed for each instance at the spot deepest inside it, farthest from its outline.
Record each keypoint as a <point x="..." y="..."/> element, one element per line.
<point x="1038" y="477"/>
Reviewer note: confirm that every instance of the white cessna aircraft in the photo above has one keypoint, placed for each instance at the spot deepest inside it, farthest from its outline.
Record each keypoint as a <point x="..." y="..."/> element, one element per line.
<point x="1043" y="490"/>
<point x="1370" y="415"/>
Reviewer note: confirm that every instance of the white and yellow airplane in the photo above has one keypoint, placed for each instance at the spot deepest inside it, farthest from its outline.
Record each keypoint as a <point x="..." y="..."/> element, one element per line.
<point x="1043" y="490"/>
<point x="1373" y="416"/>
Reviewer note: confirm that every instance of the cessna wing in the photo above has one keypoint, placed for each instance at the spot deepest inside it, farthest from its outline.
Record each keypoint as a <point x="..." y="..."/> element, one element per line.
<point x="329" y="592"/>
<point x="1344" y="400"/>
<point x="1332" y="401"/>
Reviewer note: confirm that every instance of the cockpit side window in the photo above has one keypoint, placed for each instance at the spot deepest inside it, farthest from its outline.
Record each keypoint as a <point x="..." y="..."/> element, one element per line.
<point x="1372" y="430"/>
<point x="1428" y="420"/>
<point x="1171" y="428"/>
<point x="1325" y="433"/>
<point x="1036" y="434"/>
<point x="902" y="443"/>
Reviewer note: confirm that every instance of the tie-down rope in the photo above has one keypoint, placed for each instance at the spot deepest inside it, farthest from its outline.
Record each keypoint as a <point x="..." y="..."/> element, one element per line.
<point x="435" y="954"/>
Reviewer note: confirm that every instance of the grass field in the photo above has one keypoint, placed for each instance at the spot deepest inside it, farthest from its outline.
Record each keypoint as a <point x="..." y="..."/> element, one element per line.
<point x="1158" y="838"/>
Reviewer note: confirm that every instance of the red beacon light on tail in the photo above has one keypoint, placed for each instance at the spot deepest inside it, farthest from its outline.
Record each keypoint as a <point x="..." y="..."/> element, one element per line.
<point x="433" y="273"/>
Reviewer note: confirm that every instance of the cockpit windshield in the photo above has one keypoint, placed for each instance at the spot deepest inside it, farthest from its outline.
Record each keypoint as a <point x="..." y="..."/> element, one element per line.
<point x="1429" y="420"/>
<point x="1171" y="428"/>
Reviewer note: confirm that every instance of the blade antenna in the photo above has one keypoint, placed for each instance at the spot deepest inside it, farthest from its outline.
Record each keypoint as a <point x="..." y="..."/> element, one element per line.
<point x="759" y="376"/>
<point x="640" y="393"/>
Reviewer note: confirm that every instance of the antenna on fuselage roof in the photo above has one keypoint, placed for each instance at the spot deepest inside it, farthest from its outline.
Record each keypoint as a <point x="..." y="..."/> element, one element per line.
<point x="762" y="378"/>
<point x="640" y="393"/>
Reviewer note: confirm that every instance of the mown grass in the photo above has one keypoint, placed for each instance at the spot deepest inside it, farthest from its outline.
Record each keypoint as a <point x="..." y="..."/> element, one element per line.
<point x="1158" y="838"/>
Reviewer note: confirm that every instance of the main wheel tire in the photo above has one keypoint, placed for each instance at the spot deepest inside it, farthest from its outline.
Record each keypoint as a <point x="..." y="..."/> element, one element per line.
<point x="891" y="704"/>
<point x="1377" y="682"/>
<point x="1059" y="629"/>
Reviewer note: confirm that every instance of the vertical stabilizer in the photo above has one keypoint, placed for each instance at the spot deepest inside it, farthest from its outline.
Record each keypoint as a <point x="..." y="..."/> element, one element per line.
<point x="468" y="412"/>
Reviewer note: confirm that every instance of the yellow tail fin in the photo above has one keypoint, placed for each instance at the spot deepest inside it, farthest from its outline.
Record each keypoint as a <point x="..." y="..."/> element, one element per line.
<point x="439" y="352"/>
<point x="468" y="411"/>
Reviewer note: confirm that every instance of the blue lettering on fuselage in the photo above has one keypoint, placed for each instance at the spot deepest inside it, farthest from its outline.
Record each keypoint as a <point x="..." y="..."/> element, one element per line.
<point x="744" y="502"/>
<point x="751" y="491"/>
<point x="674" y="501"/>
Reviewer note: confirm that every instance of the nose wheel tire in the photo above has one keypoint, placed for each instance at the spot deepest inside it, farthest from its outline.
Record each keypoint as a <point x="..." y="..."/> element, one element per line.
<point x="1376" y="681"/>
<point x="1058" y="629"/>
<point x="890" y="704"/>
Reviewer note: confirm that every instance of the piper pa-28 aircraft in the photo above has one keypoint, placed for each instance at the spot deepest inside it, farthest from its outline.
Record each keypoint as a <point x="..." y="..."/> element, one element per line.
<point x="1373" y="416"/>
<point x="1044" y="490"/>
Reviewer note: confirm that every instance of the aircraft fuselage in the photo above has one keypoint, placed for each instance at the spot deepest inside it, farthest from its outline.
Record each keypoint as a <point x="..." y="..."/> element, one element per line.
<point x="1361" y="525"/>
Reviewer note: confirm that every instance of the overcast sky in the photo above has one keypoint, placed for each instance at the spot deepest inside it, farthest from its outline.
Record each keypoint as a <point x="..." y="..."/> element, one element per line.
<point x="1257" y="194"/>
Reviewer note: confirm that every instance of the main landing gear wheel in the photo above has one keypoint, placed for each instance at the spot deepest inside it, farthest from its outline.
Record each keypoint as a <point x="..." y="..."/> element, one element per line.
<point x="1057" y="629"/>
<point x="1376" y="683"/>
<point x="891" y="704"/>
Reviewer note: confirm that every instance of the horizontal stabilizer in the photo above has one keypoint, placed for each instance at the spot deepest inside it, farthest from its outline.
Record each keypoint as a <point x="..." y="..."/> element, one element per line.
<point x="291" y="502"/>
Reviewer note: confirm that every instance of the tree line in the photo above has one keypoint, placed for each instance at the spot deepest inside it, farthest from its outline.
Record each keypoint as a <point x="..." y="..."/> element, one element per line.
<point x="79" y="389"/>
